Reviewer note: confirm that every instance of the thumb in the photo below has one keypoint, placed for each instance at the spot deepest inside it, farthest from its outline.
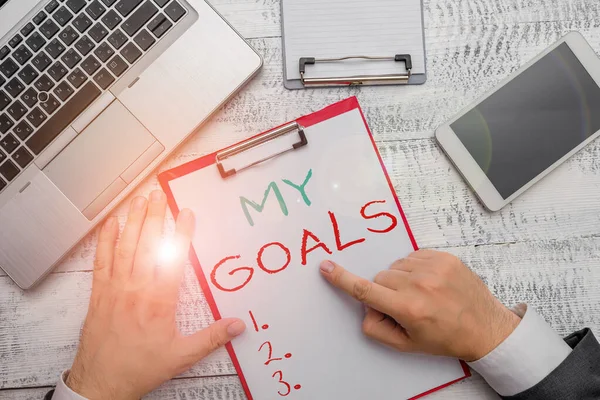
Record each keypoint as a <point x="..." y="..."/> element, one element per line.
<point x="204" y="342"/>
<point x="384" y="329"/>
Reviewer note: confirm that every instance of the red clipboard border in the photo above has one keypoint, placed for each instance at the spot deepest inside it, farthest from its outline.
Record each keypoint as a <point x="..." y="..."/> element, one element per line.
<point x="325" y="114"/>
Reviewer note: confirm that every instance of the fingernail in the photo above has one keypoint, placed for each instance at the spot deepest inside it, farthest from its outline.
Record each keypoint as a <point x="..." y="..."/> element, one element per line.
<point x="327" y="267"/>
<point x="236" y="328"/>
<point x="109" y="222"/>
<point x="156" y="196"/>
<point x="139" y="203"/>
<point x="186" y="213"/>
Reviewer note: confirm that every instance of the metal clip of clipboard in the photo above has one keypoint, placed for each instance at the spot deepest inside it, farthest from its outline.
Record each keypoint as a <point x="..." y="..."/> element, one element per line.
<point x="256" y="142"/>
<point x="394" y="79"/>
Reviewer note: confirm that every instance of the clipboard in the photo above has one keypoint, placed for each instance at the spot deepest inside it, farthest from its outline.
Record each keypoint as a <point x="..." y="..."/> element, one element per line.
<point x="290" y="368"/>
<point x="352" y="43"/>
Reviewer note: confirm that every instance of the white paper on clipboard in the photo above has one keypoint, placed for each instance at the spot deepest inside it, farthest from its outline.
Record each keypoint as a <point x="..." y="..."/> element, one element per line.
<point x="328" y="200"/>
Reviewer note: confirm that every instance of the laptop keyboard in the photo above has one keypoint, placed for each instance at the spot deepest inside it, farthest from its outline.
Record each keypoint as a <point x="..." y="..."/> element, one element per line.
<point x="62" y="60"/>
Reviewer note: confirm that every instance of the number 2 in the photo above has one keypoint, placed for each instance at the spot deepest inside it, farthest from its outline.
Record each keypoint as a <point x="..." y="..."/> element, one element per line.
<point x="270" y="359"/>
<point x="287" y="385"/>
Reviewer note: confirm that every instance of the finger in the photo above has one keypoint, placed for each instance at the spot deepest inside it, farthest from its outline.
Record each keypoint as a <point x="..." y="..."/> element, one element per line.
<point x="392" y="279"/>
<point x="146" y="255"/>
<point x="204" y="342"/>
<point x="383" y="329"/>
<point x="129" y="240"/>
<point x="372" y="294"/>
<point x="424" y="254"/>
<point x="170" y="271"/>
<point x="407" y="264"/>
<point x="107" y="238"/>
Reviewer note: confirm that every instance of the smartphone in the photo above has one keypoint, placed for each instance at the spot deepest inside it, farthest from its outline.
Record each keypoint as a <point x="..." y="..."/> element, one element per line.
<point x="536" y="119"/>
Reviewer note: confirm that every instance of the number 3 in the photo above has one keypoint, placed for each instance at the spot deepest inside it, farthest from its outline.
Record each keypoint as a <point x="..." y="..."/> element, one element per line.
<point x="287" y="385"/>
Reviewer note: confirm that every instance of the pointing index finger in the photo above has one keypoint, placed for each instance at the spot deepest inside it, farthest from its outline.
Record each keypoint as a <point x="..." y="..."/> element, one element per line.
<point x="376" y="296"/>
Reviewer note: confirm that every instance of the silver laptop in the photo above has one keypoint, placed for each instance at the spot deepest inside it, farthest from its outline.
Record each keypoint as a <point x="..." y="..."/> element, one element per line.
<point x="94" y="94"/>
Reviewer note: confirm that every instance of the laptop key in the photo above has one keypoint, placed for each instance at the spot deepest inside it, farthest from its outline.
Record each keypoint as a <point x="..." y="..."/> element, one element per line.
<point x="71" y="58"/>
<point x="16" y="110"/>
<point x="5" y="123"/>
<point x="104" y="52"/>
<point x="117" y="66"/>
<point x="2" y="158"/>
<point x="104" y="79"/>
<point x="35" y="41"/>
<point x="95" y="10"/>
<point x="161" y="3"/>
<point x="55" y="48"/>
<point x="23" y="130"/>
<point x="22" y="55"/>
<point x="30" y="97"/>
<point x="27" y="29"/>
<point x="75" y="5"/>
<point x="131" y="53"/>
<point x="14" y="87"/>
<point x="39" y="18"/>
<point x="53" y="5"/>
<point x="125" y="7"/>
<point x="98" y="32"/>
<point x="49" y="29"/>
<point x="9" y="170"/>
<point x="44" y="84"/>
<point x="82" y="22"/>
<point x="2" y="183"/>
<point x="117" y="39"/>
<point x="63" y="117"/>
<point x="57" y="71"/>
<point x="22" y="157"/>
<point x="9" y="143"/>
<point x="156" y="21"/>
<point x="68" y="35"/>
<point x="162" y="28"/>
<point x="62" y="16"/>
<point x="28" y="74"/>
<point x="175" y="11"/>
<point x="41" y="61"/>
<point x="4" y="51"/>
<point x="14" y="42"/>
<point x="139" y="18"/>
<point x="77" y="78"/>
<point x="109" y="3"/>
<point x="84" y="45"/>
<point x="63" y="91"/>
<point x="36" y="117"/>
<point x="90" y="65"/>
<point x="111" y="19"/>
<point x="50" y="105"/>
<point x="144" y="40"/>
<point x="4" y="100"/>
<point x="8" y="68"/>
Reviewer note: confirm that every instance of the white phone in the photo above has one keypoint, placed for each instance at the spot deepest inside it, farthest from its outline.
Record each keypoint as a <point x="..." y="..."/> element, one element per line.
<point x="535" y="120"/>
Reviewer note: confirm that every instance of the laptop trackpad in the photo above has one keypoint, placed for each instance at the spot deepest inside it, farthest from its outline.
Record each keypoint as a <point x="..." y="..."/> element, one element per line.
<point x="94" y="161"/>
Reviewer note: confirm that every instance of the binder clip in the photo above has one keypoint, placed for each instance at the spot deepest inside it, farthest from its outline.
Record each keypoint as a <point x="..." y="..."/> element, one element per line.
<point x="256" y="142"/>
<point x="394" y="79"/>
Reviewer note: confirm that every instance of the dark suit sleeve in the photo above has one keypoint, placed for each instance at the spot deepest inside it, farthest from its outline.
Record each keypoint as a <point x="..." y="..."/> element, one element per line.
<point x="577" y="378"/>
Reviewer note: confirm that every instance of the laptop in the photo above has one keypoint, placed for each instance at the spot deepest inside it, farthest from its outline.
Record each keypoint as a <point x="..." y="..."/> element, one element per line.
<point x="94" y="94"/>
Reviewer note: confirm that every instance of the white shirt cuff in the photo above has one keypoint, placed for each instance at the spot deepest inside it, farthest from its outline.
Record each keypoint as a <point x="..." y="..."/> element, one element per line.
<point x="63" y="392"/>
<point x="525" y="358"/>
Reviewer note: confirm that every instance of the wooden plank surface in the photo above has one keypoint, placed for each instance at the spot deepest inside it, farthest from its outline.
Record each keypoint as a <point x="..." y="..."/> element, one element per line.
<point x="543" y="249"/>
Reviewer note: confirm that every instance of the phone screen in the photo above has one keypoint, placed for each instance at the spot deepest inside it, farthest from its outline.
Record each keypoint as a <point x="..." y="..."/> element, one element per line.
<point x="533" y="121"/>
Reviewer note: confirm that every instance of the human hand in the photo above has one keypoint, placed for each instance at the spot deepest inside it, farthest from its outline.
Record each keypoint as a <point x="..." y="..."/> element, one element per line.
<point x="130" y="343"/>
<point x="429" y="302"/>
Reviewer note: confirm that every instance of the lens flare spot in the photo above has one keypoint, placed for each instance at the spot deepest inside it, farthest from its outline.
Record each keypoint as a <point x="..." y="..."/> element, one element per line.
<point x="167" y="252"/>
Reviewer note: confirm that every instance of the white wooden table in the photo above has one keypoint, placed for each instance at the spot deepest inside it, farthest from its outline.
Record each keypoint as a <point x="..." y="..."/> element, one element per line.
<point x="544" y="249"/>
